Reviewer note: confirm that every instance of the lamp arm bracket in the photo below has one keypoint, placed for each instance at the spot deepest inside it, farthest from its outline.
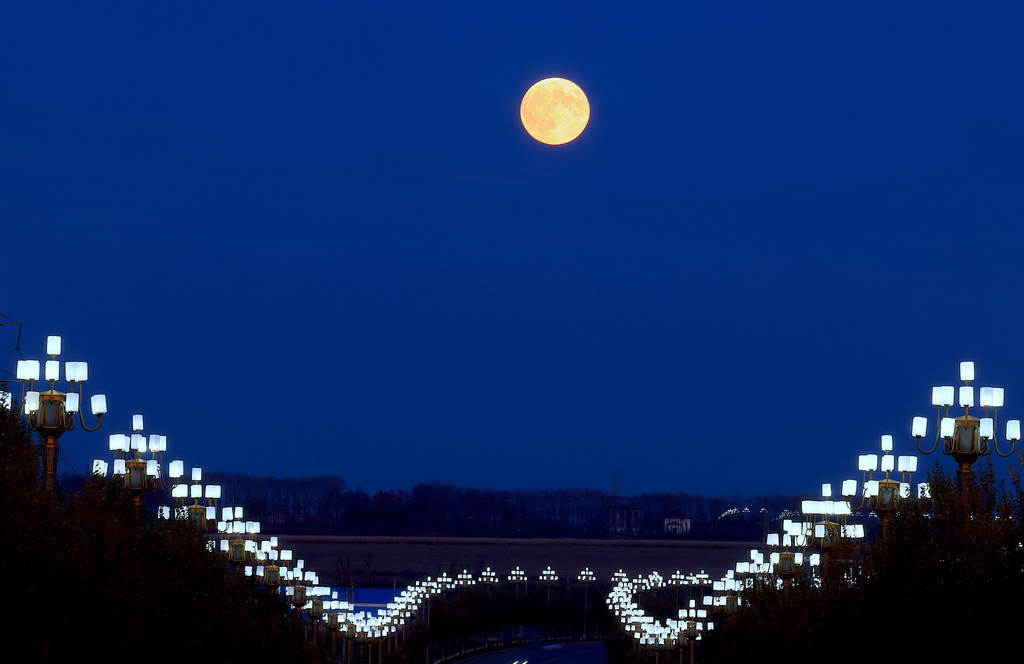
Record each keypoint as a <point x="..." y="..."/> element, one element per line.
<point x="863" y="501"/>
<point x="995" y="444"/>
<point x="81" y="420"/>
<point x="935" y="444"/>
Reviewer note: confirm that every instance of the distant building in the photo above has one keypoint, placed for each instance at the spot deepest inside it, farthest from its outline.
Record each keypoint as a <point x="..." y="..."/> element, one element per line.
<point x="623" y="516"/>
<point x="677" y="524"/>
<point x="624" y="519"/>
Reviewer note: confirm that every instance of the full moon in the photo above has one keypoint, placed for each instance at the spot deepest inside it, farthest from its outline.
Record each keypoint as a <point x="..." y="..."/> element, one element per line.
<point x="554" y="111"/>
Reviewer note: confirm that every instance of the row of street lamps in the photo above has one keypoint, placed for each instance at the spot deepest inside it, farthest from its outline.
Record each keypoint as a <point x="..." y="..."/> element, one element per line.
<point x="799" y="548"/>
<point x="138" y="460"/>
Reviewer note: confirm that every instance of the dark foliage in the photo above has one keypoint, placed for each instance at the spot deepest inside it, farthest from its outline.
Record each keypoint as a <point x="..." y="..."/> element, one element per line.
<point x="945" y="582"/>
<point x="88" y="579"/>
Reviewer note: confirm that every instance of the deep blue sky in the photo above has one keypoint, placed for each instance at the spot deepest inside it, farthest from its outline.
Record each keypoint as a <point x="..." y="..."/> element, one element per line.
<point x="313" y="238"/>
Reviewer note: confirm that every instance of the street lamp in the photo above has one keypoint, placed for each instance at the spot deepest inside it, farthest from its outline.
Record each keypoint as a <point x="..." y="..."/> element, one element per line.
<point x="882" y="496"/>
<point x="966" y="438"/>
<point x="832" y="529"/>
<point x="517" y="576"/>
<point x="586" y="577"/>
<point x="52" y="412"/>
<point x="203" y="516"/>
<point x="488" y="577"/>
<point x="727" y="599"/>
<point x="694" y="621"/>
<point x="239" y="543"/>
<point x="138" y="473"/>
<point x="445" y="582"/>
<point x="548" y="576"/>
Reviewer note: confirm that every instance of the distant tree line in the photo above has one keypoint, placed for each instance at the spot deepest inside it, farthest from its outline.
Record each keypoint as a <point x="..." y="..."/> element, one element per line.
<point x="326" y="505"/>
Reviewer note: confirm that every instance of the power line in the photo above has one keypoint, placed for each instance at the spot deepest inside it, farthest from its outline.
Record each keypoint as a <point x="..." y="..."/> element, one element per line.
<point x="17" y="344"/>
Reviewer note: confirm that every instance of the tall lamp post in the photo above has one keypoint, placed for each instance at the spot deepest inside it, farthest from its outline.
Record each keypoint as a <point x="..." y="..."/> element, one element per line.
<point x="488" y="577"/>
<point x="966" y="438"/>
<point x="548" y="577"/>
<point x="51" y="412"/>
<point x="586" y="577"/>
<point x="694" y="622"/>
<point x="517" y="577"/>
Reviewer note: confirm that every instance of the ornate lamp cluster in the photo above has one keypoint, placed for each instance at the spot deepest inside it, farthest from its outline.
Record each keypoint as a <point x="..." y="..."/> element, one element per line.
<point x="966" y="438"/>
<point x="649" y="633"/>
<point x="827" y="520"/>
<point x="197" y="500"/>
<point x="52" y="412"/>
<point x="548" y="577"/>
<point x="518" y="577"/>
<point x="239" y="537"/>
<point x="139" y="464"/>
<point x="881" y="497"/>
<point x="788" y="554"/>
<point x="691" y="583"/>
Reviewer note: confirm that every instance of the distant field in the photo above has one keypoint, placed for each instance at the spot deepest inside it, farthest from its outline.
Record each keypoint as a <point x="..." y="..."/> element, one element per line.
<point x="387" y="560"/>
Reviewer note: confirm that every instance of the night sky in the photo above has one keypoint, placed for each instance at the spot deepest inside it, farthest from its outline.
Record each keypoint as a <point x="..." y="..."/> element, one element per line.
<point x="308" y="238"/>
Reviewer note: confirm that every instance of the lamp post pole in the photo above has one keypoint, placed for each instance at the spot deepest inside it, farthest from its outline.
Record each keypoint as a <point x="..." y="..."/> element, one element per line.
<point x="517" y="577"/>
<point x="488" y="577"/>
<point x="547" y="577"/>
<point x="586" y="577"/>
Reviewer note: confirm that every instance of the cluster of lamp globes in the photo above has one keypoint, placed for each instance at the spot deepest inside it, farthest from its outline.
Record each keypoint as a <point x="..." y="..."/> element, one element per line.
<point x="363" y="625"/>
<point x="789" y="551"/>
<point x="967" y="437"/>
<point x="53" y="408"/>
<point x="647" y="632"/>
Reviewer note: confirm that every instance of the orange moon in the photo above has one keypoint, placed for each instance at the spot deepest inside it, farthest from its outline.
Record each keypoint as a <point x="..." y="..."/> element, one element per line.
<point x="554" y="111"/>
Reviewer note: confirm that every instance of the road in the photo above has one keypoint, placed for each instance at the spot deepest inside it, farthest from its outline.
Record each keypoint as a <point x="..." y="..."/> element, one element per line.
<point x="548" y="653"/>
<point x="378" y="560"/>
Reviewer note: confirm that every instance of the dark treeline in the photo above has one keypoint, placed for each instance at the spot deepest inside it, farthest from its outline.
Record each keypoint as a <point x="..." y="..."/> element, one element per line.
<point x="326" y="505"/>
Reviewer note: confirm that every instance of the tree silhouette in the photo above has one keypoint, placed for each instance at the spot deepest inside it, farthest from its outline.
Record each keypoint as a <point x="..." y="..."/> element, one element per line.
<point x="945" y="582"/>
<point x="90" y="579"/>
